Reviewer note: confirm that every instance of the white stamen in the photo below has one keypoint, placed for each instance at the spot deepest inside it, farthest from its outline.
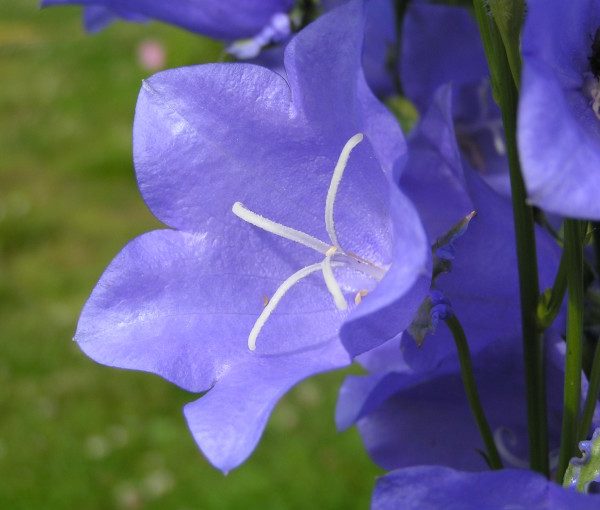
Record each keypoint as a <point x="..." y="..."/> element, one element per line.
<point x="278" y="229"/>
<point x="336" y="178"/>
<point x="362" y="266"/>
<point x="335" y="256"/>
<point x="503" y="447"/>
<point x="359" y="296"/>
<point x="332" y="284"/>
<point x="274" y="301"/>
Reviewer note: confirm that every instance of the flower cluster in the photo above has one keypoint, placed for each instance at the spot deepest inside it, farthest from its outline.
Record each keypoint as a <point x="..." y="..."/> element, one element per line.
<point x="306" y="231"/>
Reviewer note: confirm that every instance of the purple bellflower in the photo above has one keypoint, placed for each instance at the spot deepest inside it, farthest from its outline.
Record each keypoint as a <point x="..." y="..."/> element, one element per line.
<point x="97" y="17"/>
<point x="432" y="487"/>
<point x="483" y="283"/>
<point x="381" y="43"/>
<point x="442" y="45"/>
<point x="227" y="20"/>
<point x="409" y="417"/>
<point x="559" y="111"/>
<point x="411" y="409"/>
<point x="287" y="235"/>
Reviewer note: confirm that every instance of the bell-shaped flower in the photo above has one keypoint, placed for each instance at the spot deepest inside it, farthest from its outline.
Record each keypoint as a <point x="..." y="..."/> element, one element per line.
<point x="408" y="417"/>
<point x="287" y="236"/>
<point x="381" y="43"/>
<point x="559" y="110"/>
<point x="436" y="487"/>
<point x="411" y="408"/>
<point x="227" y="20"/>
<point x="441" y="45"/>
<point x="482" y="285"/>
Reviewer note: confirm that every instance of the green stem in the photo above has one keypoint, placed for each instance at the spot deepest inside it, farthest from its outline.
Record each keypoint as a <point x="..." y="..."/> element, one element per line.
<point x="393" y="65"/>
<point x="551" y="300"/>
<point x="592" y="396"/>
<point x="572" y="389"/>
<point x="596" y="240"/>
<point x="594" y="383"/>
<point x="466" y="372"/>
<point x="506" y="94"/>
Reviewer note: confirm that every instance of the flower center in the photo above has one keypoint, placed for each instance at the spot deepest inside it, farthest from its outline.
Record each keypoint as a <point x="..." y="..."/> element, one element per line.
<point x="334" y="256"/>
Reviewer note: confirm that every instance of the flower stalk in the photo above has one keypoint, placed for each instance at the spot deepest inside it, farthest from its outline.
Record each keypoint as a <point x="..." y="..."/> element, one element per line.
<point x="466" y="372"/>
<point x="506" y="94"/>
<point x="551" y="300"/>
<point x="573" y="365"/>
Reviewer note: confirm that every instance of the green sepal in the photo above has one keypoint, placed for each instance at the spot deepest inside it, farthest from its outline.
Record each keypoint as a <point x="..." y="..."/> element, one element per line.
<point x="509" y="16"/>
<point x="583" y="471"/>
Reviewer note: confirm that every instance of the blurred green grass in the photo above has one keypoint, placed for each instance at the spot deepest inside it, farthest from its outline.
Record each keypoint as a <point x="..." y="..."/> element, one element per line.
<point x="74" y="434"/>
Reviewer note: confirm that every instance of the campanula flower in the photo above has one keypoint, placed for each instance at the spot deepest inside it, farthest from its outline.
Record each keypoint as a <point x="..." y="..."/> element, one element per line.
<point x="287" y="236"/>
<point x="97" y="17"/>
<point x="559" y="111"/>
<point x="408" y="417"/>
<point x="411" y="408"/>
<point x="442" y="45"/>
<point x="483" y="282"/>
<point x="429" y="487"/>
<point x="230" y="20"/>
<point x="381" y="43"/>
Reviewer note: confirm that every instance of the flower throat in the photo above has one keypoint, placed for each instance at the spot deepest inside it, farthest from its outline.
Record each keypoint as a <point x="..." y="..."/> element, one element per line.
<point x="334" y="255"/>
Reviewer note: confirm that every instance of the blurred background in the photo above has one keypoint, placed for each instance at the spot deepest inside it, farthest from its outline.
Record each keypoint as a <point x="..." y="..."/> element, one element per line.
<point x="74" y="434"/>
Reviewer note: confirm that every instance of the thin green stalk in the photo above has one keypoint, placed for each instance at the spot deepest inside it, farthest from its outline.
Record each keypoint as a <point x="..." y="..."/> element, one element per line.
<point x="400" y="7"/>
<point x="572" y="390"/>
<point x="505" y="92"/>
<point x="596" y="240"/>
<point x="592" y="396"/>
<point x="551" y="301"/>
<point x="466" y="372"/>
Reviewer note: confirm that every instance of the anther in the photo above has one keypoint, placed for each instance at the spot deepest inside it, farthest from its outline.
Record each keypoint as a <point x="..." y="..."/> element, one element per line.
<point x="359" y="296"/>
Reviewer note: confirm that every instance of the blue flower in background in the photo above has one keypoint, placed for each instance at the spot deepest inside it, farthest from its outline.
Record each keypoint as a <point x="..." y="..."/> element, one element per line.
<point x="226" y="20"/>
<point x="559" y="111"/>
<point x="442" y="45"/>
<point x="429" y="487"/>
<point x="381" y="43"/>
<point x="97" y="17"/>
<point x="408" y="417"/>
<point x="411" y="409"/>
<point x="287" y="237"/>
<point x="483" y="283"/>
